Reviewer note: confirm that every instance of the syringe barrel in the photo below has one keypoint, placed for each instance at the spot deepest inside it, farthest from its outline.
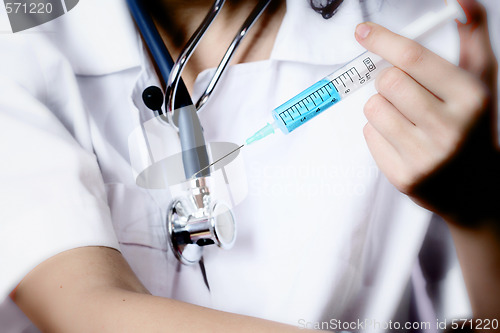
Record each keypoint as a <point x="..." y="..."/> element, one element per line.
<point x="328" y="91"/>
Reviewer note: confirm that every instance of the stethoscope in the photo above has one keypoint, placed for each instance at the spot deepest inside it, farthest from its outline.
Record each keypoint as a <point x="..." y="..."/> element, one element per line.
<point x="195" y="219"/>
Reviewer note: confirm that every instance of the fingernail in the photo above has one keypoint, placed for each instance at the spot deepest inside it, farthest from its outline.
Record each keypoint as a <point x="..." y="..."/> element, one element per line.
<point x="363" y="30"/>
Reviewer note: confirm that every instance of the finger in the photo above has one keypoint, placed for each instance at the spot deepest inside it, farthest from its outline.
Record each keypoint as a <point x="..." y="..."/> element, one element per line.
<point x="386" y="157"/>
<point x="427" y="68"/>
<point x="476" y="54"/>
<point x="417" y="148"/>
<point x="396" y="129"/>
<point x="415" y="102"/>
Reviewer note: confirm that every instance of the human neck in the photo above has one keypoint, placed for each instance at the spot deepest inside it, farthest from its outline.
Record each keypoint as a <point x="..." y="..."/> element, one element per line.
<point x="178" y="19"/>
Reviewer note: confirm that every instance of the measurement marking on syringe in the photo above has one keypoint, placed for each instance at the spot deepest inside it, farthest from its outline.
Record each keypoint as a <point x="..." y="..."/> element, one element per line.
<point x="281" y="116"/>
<point x="302" y="101"/>
<point x="339" y="79"/>
<point x="346" y="74"/>
<point x="356" y="70"/>
<point x="325" y="87"/>
<point x="334" y="86"/>
<point x="353" y="71"/>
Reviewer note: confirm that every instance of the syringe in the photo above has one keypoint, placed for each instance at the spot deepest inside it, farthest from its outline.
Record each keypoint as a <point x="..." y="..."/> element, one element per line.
<point x="351" y="77"/>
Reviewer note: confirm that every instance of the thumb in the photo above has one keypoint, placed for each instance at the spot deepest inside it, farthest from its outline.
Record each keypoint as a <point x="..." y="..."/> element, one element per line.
<point x="476" y="54"/>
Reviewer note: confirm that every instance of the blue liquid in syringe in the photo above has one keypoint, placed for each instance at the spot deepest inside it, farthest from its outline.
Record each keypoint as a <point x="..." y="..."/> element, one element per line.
<point x="306" y="105"/>
<point x="323" y="95"/>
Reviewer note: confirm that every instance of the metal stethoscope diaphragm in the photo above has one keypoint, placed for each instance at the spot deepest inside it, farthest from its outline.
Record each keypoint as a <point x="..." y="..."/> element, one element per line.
<point x="197" y="220"/>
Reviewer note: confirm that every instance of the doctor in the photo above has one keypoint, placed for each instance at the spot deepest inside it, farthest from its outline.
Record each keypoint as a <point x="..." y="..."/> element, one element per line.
<point x="323" y="234"/>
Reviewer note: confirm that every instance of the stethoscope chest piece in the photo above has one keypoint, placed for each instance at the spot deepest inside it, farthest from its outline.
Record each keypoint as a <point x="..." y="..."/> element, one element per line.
<point x="196" y="220"/>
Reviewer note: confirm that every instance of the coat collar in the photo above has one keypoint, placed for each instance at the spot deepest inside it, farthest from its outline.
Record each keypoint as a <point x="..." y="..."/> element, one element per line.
<point x="305" y="36"/>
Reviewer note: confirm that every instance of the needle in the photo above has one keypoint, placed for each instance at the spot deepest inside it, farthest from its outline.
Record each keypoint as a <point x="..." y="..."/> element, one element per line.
<point x="223" y="157"/>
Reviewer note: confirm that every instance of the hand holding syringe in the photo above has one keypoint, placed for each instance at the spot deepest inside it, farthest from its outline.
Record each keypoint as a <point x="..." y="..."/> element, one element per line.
<point x="342" y="83"/>
<point x="351" y="77"/>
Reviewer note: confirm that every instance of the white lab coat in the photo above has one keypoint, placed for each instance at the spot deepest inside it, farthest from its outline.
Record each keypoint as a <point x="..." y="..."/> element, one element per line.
<point x="322" y="235"/>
